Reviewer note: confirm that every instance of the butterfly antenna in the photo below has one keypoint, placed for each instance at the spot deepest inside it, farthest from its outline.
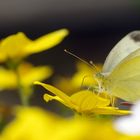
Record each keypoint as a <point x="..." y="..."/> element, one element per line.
<point x="89" y="64"/>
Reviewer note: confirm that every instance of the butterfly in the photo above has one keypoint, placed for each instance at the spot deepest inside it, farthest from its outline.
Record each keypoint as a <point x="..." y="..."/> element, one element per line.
<point x="120" y="75"/>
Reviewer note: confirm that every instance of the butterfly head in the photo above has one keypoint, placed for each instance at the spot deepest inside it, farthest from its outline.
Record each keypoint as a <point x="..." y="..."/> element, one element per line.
<point x="101" y="79"/>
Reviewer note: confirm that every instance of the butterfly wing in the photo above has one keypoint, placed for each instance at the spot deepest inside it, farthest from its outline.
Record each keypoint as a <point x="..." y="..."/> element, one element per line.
<point x="122" y="49"/>
<point x="124" y="80"/>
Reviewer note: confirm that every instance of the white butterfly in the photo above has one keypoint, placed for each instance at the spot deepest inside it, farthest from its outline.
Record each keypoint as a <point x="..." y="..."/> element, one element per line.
<point x="121" y="70"/>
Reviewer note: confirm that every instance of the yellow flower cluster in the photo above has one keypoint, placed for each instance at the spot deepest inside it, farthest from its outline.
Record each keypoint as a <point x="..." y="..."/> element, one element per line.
<point x="22" y="74"/>
<point x="36" y="124"/>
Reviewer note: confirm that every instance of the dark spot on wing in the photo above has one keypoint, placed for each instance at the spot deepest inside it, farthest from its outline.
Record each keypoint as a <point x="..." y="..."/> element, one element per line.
<point x="135" y="36"/>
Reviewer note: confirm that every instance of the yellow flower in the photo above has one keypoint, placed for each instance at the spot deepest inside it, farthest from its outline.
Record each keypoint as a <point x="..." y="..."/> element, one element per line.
<point x="30" y="124"/>
<point x="84" y="102"/>
<point x="18" y="45"/>
<point x="83" y="77"/>
<point x="33" y="123"/>
<point x="27" y="75"/>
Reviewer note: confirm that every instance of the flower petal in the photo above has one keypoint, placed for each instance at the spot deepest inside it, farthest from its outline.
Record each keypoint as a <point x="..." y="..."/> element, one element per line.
<point x="48" y="98"/>
<point x="46" y="42"/>
<point x="58" y="93"/>
<point x="5" y="75"/>
<point x="87" y="100"/>
<point x="110" y="111"/>
<point x="29" y="73"/>
<point x="17" y="42"/>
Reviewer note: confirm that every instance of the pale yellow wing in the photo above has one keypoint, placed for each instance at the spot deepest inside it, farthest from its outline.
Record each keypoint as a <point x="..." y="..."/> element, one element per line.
<point x="124" y="80"/>
<point x="122" y="49"/>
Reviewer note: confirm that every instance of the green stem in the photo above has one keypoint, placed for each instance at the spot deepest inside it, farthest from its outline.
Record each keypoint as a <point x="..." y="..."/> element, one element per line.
<point x="24" y="97"/>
